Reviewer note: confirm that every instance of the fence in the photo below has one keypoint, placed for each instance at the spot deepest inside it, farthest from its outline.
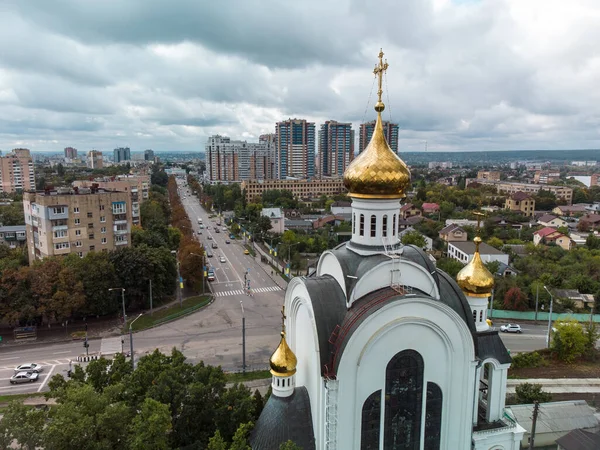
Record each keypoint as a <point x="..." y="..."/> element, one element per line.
<point x="542" y="316"/>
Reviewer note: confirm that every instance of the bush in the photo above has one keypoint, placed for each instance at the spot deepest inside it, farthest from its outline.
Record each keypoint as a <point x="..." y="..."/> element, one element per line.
<point x="530" y="393"/>
<point x="531" y="359"/>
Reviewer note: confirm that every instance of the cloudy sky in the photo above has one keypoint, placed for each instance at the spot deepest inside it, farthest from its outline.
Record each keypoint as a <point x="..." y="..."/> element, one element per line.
<point x="464" y="74"/>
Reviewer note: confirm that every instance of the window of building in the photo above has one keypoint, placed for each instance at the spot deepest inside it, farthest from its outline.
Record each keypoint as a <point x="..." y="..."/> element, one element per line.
<point x="58" y="210"/>
<point x="384" y="226"/>
<point x="91" y="236"/>
<point x="119" y="207"/>
<point x="474" y="315"/>
<point x="101" y="207"/>
<point x="92" y="248"/>
<point x="80" y="254"/>
<point x="77" y="243"/>
<point x="76" y="210"/>
<point x="89" y="214"/>
<point x="103" y="230"/>
<point x="60" y="233"/>
<point x="373" y="226"/>
<point x="77" y="232"/>
<point x="433" y="417"/>
<point x="371" y="419"/>
<point x="394" y="225"/>
<point x="61" y="245"/>
<point x="103" y="240"/>
<point x="354" y="223"/>
<point x="481" y="315"/>
<point x="77" y="221"/>
<point x="90" y="225"/>
<point x="102" y="218"/>
<point x="362" y="225"/>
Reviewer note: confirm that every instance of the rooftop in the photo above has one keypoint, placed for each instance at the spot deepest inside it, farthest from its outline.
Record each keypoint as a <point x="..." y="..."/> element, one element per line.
<point x="520" y="196"/>
<point x="469" y="248"/>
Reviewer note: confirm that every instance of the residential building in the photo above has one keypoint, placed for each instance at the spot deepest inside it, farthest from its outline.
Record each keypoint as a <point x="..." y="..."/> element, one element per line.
<point x="77" y="221"/>
<point x="137" y="186"/>
<point x="341" y="207"/>
<point x="570" y="210"/>
<point x="520" y="202"/>
<point x="430" y="208"/>
<point x="16" y="171"/>
<point x="464" y="252"/>
<point x="266" y="170"/>
<point x="548" y="235"/>
<point x="121" y="154"/>
<point x="95" y="159"/>
<point x="584" y="163"/>
<point x="453" y="233"/>
<point x="234" y="161"/>
<point x="336" y="148"/>
<point x="409" y="210"/>
<point x="491" y="175"/>
<point x="440" y="165"/>
<point x="546" y="176"/>
<point x="507" y="187"/>
<point x="390" y="130"/>
<point x="277" y="219"/>
<point x="594" y="179"/>
<point x="580" y="300"/>
<point x="295" y="143"/>
<point x="302" y="189"/>
<point x="70" y="153"/>
<point x="149" y="155"/>
<point x="13" y="236"/>
<point x="548" y="220"/>
<point x="589" y="222"/>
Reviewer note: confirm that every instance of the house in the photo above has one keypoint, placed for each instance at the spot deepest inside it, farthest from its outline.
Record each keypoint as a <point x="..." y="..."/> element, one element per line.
<point x="464" y="251"/>
<point x="453" y="233"/>
<point x="428" y="240"/>
<point x="589" y="222"/>
<point x="520" y="202"/>
<point x="298" y="224"/>
<point x="569" y="211"/>
<point x="430" y="208"/>
<point x="13" y="235"/>
<point x="504" y="270"/>
<point x="409" y="210"/>
<point x="580" y="300"/>
<point x="517" y="249"/>
<point x="549" y="220"/>
<point x="277" y="219"/>
<point x="330" y="219"/>
<point x="341" y="208"/>
<point x="548" y="235"/>
<point x="579" y="440"/>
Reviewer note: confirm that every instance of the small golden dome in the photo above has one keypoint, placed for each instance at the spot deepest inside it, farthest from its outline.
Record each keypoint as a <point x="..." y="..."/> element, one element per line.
<point x="283" y="361"/>
<point x="475" y="279"/>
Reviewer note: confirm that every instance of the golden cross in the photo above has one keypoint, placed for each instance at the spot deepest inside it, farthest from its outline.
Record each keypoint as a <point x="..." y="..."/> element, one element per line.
<point x="378" y="71"/>
<point x="283" y="318"/>
<point x="479" y="215"/>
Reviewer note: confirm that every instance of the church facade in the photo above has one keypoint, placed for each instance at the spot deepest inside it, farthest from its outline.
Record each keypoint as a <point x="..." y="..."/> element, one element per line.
<point x="380" y="349"/>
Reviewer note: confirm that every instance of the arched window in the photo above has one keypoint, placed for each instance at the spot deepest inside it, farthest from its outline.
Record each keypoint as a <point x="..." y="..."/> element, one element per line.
<point x="373" y="226"/>
<point x="394" y="226"/>
<point x="362" y="224"/>
<point x="384" y="226"/>
<point x="481" y="315"/>
<point x="353" y="223"/>
<point x="433" y="417"/>
<point x="371" y="421"/>
<point x="403" y="401"/>
<point x="475" y="315"/>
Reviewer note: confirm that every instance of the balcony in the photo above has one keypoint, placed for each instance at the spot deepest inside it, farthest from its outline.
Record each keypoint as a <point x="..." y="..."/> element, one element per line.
<point x="60" y="227"/>
<point x="121" y="242"/>
<point x="120" y="222"/>
<point x="52" y="215"/>
<point x="118" y="232"/>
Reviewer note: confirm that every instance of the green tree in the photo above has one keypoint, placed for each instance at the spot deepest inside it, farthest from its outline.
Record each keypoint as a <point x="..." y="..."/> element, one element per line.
<point x="450" y="265"/>
<point x="60" y="170"/>
<point x="289" y="445"/>
<point x="495" y="242"/>
<point x="24" y="425"/>
<point x="569" y="340"/>
<point x="151" y="427"/>
<point x="493" y="266"/>
<point x="414" y="238"/>
<point x="592" y="242"/>
<point x="240" y="438"/>
<point x="217" y="442"/>
<point x="529" y="393"/>
<point x="591" y="337"/>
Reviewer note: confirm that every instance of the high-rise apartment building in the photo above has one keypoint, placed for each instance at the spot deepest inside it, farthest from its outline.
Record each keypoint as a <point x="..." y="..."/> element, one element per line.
<point x="70" y="153"/>
<point x="295" y="142"/>
<point x="389" y="129"/>
<point x="121" y="154"/>
<point x="76" y="221"/>
<point x="233" y="161"/>
<point x="336" y="148"/>
<point x="16" y="171"/>
<point x="95" y="159"/>
<point x="149" y="155"/>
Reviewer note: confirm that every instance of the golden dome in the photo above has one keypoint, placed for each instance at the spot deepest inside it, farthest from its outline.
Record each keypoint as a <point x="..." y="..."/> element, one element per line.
<point x="475" y="279"/>
<point x="283" y="361"/>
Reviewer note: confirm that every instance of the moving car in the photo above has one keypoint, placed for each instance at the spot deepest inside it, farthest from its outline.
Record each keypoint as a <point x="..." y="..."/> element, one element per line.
<point x="211" y="274"/>
<point x="24" y="377"/>
<point x="209" y="237"/>
<point x="224" y="228"/>
<point x="214" y="245"/>
<point x="246" y="252"/>
<point x="511" y="328"/>
<point x="227" y="241"/>
<point x="29" y="367"/>
<point x="222" y="259"/>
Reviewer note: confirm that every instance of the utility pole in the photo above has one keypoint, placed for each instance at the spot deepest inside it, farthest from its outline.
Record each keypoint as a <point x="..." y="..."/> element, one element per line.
<point x="537" y="297"/>
<point x="243" y="338"/>
<point x="536" y="409"/>
<point x="131" y="341"/>
<point x="492" y="305"/>
<point x="151" y="310"/>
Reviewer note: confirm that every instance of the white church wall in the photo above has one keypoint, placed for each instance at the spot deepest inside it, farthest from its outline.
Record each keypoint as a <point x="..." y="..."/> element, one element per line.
<point x="329" y="265"/>
<point x="443" y="340"/>
<point x="411" y="274"/>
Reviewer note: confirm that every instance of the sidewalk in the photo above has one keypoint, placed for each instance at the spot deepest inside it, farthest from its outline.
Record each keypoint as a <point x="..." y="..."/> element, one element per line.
<point x="277" y="279"/>
<point x="559" y="385"/>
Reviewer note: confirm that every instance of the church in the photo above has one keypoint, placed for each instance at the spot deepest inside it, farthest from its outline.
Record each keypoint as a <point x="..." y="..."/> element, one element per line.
<point x="379" y="348"/>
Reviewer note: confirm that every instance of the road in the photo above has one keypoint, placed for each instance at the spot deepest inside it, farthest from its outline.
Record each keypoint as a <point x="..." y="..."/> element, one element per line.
<point x="214" y="334"/>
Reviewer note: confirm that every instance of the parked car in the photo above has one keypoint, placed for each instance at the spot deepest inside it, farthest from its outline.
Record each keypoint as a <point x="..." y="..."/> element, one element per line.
<point x="24" y="377"/>
<point x="511" y="328"/>
<point x="29" y="367"/>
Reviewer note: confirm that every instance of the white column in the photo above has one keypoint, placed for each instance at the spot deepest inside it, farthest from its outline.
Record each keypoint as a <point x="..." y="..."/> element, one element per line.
<point x="496" y="392"/>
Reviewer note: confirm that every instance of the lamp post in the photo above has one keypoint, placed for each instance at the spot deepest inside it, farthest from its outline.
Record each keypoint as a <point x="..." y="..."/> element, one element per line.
<point x="123" y="301"/>
<point x="549" y="317"/>
<point x="202" y="267"/>
<point x="176" y="253"/>
<point x="131" y="340"/>
<point x="243" y="338"/>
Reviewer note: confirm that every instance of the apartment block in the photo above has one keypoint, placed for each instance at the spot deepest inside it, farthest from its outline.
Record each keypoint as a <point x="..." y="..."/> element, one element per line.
<point x="95" y="159"/>
<point x="295" y="141"/>
<point x="64" y="221"/>
<point x="521" y="202"/>
<point x="70" y="153"/>
<point x="233" y="161"/>
<point x="121" y="154"/>
<point x="148" y="155"/>
<point x="13" y="236"/>
<point x="491" y="175"/>
<point x="506" y="187"/>
<point x="16" y="171"/>
<point x="440" y="165"/>
<point x="546" y="176"/>
<point x="389" y="129"/>
<point x="136" y="185"/>
<point x="336" y="148"/>
<point x="300" y="188"/>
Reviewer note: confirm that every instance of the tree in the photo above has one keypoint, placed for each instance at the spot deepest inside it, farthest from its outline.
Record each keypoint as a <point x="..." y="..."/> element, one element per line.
<point x="529" y="393"/>
<point x="217" y="442"/>
<point x="495" y="242"/>
<point x="450" y="265"/>
<point x="151" y="427"/>
<point x="240" y="438"/>
<point x="514" y="299"/>
<point x="60" y="170"/>
<point x="414" y="238"/>
<point x="493" y="266"/>
<point x="159" y="177"/>
<point x="289" y="445"/>
<point x="24" y="425"/>
<point x="592" y="242"/>
<point x="569" y="340"/>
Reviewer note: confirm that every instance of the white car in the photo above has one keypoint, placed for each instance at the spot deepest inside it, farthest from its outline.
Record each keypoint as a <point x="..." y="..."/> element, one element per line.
<point x="511" y="328"/>
<point x="29" y="367"/>
<point x="222" y="259"/>
<point x="24" y="377"/>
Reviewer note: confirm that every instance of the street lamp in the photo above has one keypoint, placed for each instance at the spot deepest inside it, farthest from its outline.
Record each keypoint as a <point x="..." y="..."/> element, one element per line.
<point x="549" y="317"/>
<point x="202" y="257"/>
<point x="243" y="338"/>
<point x="176" y="253"/>
<point x="123" y="301"/>
<point x="131" y="340"/>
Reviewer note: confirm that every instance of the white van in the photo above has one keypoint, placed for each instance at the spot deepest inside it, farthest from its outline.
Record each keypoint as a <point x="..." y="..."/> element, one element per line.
<point x="199" y="219"/>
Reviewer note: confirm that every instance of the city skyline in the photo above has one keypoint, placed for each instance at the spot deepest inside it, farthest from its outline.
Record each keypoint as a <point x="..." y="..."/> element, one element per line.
<point x="468" y="75"/>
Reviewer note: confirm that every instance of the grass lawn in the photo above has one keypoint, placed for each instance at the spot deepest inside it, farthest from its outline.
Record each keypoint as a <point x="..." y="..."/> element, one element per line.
<point x="9" y="398"/>
<point x="248" y="376"/>
<point x="189" y="305"/>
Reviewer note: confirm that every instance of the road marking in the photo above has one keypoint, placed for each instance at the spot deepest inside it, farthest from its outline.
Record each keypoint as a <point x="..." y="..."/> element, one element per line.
<point x="60" y="353"/>
<point x="7" y="359"/>
<point x="240" y="292"/>
<point x="47" y="378"/>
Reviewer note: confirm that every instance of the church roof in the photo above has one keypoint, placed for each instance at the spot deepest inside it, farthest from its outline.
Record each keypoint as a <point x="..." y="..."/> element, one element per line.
<point x="283" y="419"/>
<point x="489" y="345"/>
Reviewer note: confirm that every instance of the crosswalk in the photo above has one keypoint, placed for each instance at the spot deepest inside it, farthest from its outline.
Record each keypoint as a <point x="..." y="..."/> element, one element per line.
<point x="241" y="292"/>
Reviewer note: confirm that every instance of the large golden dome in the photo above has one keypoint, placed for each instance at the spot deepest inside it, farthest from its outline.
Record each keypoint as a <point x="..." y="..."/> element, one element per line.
<point x="283" y="362"/>
<point x="475" y="279"/>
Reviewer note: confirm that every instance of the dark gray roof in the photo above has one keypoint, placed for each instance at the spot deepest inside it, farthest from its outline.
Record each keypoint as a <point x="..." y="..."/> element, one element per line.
<point x="579" y="440"/>
<point x="489" y="345"/>
<point x="283" y="419"/>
